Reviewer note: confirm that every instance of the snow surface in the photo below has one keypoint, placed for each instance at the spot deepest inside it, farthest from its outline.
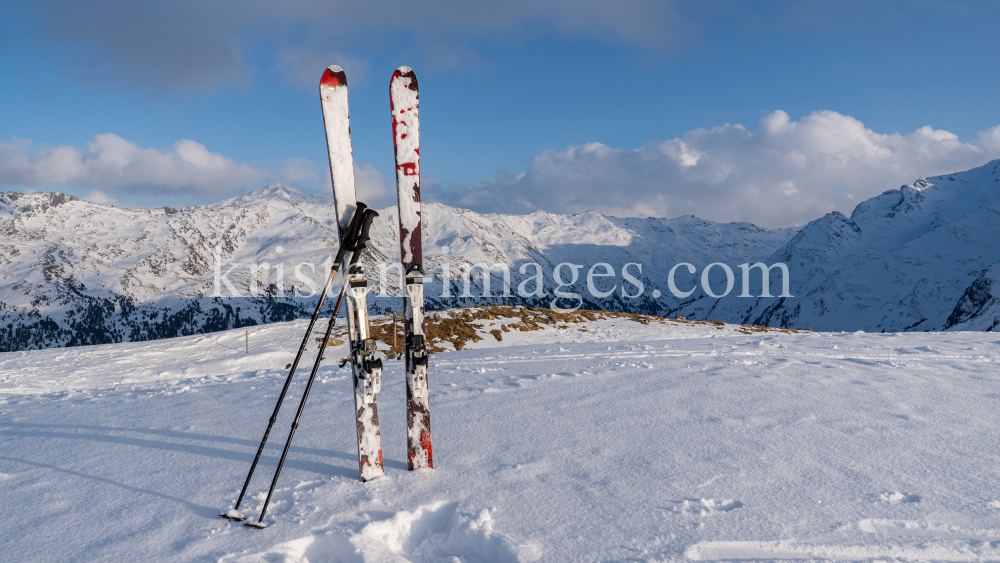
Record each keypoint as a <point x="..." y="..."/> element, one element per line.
<point x="629" y="442"/>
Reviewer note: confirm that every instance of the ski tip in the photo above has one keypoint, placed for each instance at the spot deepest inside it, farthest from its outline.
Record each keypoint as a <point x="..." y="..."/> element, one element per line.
<point x="405" y="72"/>
<point x="258" y="525"/>
<point x="333" y="77"/>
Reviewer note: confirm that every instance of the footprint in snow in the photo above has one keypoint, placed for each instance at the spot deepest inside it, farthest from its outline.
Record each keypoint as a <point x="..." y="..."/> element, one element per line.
<point x="897" y="497"/>
<point x="283" y="499"/>
<point x="703" y="506"/>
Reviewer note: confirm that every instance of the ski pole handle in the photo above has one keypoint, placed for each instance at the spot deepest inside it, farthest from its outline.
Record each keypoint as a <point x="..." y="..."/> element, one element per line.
<point x="363" y="235"/>
<point x="351" y="236"/>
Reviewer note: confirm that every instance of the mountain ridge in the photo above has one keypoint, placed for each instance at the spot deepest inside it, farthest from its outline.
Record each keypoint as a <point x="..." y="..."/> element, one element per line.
<point x="75" y="272"/>
<point x="901" y="261"/>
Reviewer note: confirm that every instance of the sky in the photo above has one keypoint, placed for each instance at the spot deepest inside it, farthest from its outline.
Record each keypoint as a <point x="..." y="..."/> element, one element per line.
<point x="770" y="112"/>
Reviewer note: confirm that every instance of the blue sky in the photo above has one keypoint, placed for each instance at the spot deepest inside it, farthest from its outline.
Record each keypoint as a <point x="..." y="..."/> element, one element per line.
<point x="772" y="112"/>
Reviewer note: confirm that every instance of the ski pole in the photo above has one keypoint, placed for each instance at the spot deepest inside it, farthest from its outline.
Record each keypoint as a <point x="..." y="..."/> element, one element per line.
<point x="298" y="415"/>
<point x="352" y="229"/>
<point x="360" y="242"/>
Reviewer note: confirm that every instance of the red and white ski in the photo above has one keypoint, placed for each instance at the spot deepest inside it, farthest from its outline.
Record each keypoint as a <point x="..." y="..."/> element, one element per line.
<point x="366" y="370"/>
<point x="404" y="101"/>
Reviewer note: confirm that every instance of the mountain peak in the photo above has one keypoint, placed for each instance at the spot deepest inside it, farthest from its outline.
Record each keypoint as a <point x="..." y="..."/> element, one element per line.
<point x="37" y="202"/>
<point x="272" y="191"/>
<point x="277" y="192"/>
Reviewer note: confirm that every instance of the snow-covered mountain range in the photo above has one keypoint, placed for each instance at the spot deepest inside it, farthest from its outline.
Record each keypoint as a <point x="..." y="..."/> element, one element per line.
<point x="921" y="257"/>
<point x="75" y="272"/>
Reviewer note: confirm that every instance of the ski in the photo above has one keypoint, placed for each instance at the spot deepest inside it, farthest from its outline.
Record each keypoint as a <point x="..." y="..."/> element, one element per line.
<point x="365" y="368"/>
<point x="404" y="102"/>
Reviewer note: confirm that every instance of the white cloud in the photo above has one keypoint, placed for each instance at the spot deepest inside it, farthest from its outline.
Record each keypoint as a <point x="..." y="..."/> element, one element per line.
<point x="786" y="173"/>
<point x="100" y="197"/>
<point x="111" y="163"/>
<point x="296" y="170"/>
<point x="990" y="139"/>
<point x="371" y="186"/>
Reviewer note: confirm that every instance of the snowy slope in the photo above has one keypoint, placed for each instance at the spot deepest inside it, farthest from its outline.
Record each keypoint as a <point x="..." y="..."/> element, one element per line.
<point x="901" y="261"/>
<point x="979" y="306"/>
<point x="645" y="443"/>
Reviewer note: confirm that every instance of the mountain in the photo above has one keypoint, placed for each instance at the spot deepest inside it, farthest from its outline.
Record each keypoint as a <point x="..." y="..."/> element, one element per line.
<point x="922" y="257"/>
<point x="74" y="272"/>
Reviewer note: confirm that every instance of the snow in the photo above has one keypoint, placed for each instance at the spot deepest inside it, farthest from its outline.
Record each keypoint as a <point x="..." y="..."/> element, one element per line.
<point x="632" y="442"/>
<point x="921" y="257"/>
<point x="907" y="259"/>
<point x="83" y="273"/>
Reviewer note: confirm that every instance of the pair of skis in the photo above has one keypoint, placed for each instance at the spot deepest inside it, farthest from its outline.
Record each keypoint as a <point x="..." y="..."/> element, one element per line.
<point x="404" y="103"/>
<point x="353" y="222"/>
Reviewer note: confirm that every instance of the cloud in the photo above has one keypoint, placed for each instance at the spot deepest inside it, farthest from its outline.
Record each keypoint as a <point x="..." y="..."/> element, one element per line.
<point x="100" y="197"/>
<point x="298" y="170"/>
<point x="990" y="139"/>
<point x="111" y="164"/>
<point x="205" y="44"/>
<point x="786" y="173"/>
<point x="152" y="46"/>
<point x="371" y="186"/>
<point x="114" y="164"/>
